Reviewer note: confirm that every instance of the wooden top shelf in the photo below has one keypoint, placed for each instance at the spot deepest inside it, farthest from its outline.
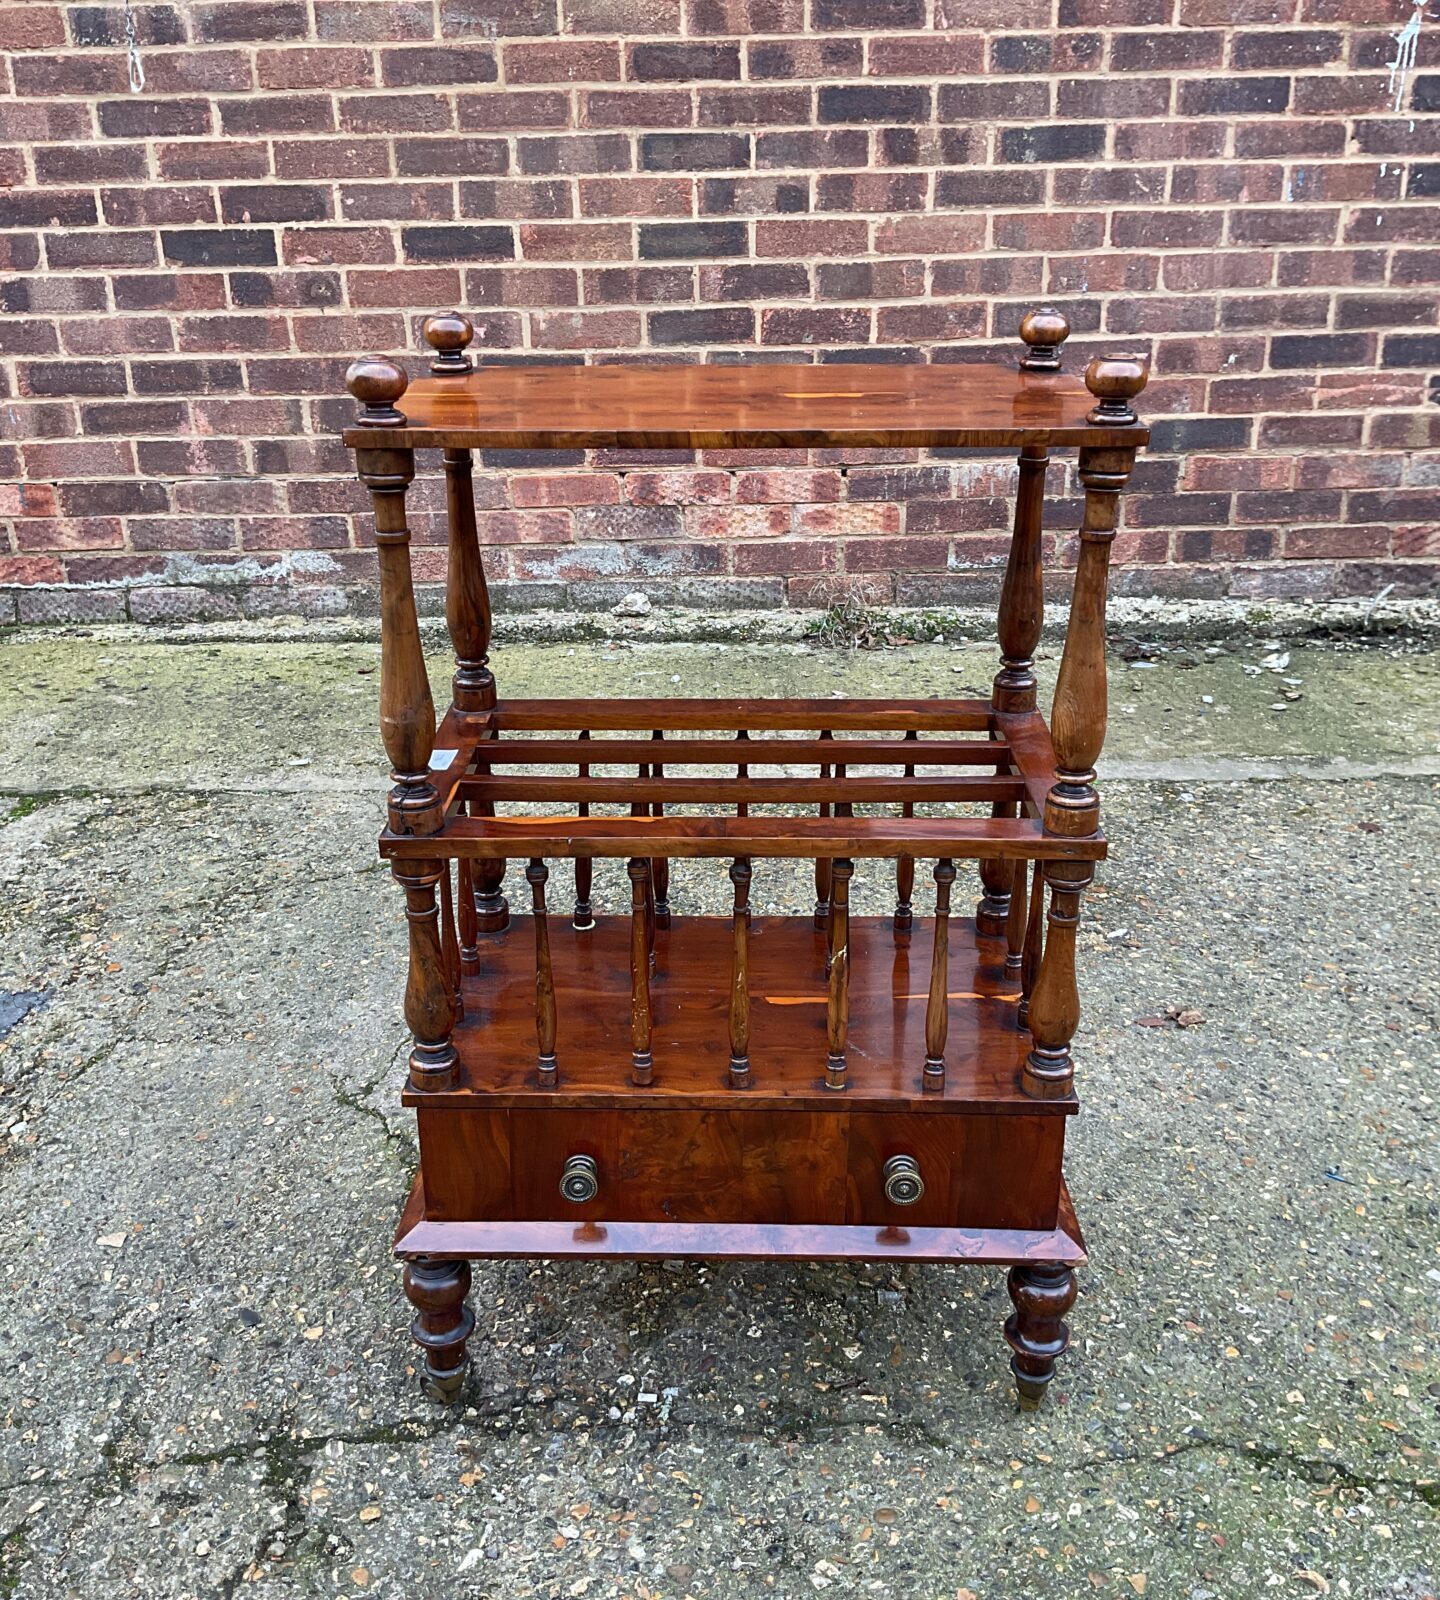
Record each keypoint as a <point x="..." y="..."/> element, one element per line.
<point x="718" y="407"/>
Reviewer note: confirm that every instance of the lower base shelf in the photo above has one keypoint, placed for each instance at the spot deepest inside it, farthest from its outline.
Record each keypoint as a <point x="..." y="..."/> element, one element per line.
<point x="418" y="1236"/>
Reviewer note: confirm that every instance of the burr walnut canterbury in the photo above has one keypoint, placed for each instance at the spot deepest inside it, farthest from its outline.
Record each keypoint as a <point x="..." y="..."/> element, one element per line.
<point x="646" y="1082"/>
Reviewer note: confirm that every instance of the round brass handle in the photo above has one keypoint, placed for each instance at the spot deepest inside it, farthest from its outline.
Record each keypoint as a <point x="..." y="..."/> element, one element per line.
<point x="903" y="1183"/>
<point x="580" y="1181"/>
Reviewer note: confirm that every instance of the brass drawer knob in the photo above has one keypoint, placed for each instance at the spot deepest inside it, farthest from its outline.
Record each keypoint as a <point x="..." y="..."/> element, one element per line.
<point x="580" y="1181"/>
<point x="903" y="1183"/>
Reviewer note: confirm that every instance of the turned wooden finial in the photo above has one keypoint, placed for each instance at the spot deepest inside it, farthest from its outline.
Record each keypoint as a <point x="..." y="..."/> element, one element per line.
<point x="1115" y="380"/>
<point x="447" y="334"/>
<point x="1043" y="331"/>
<point x="377" y="383"/>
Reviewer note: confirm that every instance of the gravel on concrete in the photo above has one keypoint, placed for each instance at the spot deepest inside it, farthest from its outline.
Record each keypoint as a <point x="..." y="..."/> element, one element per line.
<point x="208" y="1389"/>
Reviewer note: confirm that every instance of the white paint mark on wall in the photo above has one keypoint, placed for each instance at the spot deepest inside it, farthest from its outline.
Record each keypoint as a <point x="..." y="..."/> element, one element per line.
<point x="1407" y="43"/>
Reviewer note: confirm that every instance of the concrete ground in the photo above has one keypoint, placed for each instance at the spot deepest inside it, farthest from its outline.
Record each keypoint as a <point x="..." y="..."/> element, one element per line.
<point x="207" y="1384"/>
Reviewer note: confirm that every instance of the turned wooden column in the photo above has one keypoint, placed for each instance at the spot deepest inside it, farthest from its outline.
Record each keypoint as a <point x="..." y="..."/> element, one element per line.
<point x="1077" y="727"/>
<point x="429" y="992"/>
<point x="1021" y="617"/>
<point x="467" y="598"/>
<point x="407" y="712"/>
<point x="407" y="723"/>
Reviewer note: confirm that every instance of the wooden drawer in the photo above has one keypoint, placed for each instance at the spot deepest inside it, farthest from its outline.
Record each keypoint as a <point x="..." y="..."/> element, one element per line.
<point x="745" y="1165"/>
<point x="979" y="1171"/>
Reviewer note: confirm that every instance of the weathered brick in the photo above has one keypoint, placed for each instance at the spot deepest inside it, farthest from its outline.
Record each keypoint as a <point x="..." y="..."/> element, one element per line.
<point x="274" y="113"/>
<point x="691" y="152"/>
<point x="415" y="65"/>
<point x="708" y="325"/>
<point x="682" y="241"/>
<point x="155" y="119"/>
<point x="1053" y="142"/>
<point x="250" y="20"/>
<point x="456" y="243"/>
<point x="863" y="102"/>
<point x="684" y="62"/>
<point x="31" y="27"/>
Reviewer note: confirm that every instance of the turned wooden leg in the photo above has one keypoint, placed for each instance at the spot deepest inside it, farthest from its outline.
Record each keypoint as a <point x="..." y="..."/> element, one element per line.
<point x="1042" y="1292"/>
<point x="443" y="1321"/>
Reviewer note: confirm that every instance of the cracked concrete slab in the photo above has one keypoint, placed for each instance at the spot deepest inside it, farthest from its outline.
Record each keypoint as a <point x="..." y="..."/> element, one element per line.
<point x="209" y="1388"/>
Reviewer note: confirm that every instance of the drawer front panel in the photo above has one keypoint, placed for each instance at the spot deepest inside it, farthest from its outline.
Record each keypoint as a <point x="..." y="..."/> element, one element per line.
<point x="978" y="1171"/>
<point x="650" y="1166"/>
<point x="742" y="1166"/>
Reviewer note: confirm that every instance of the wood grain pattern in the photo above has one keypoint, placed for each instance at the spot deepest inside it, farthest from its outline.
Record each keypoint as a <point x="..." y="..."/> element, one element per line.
<point x="966" y="838"/>
<point x="420" y="1234"/>
<point x="429" y="993"/>
<point x="742" y="1165"/>
<point x="888" y="993"/>
<point x="740" y="976"/>
<point x="1077" y="717"/>
<point x="837" y="1009"/>
<point x="747" y="407"/>
<point x="407" y="711"/>
<point x="937" y="1004"/>
<point x="467" y="597"/>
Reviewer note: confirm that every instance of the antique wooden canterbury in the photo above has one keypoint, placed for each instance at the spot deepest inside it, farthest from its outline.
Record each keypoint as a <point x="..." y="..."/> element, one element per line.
<point x="652" y="1083"/>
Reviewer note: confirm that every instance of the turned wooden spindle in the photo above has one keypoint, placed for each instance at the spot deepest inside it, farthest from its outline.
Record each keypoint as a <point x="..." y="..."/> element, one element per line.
<point x="492" y="909"/>
<point x="467" y="596"/>
<point x="1077" y="725"/>
<point x="822" y="864"/>
<point x="642" y="1063"/>
<point x="1030" y="955"/>
<point x="584" y="918"/>
<point x="905" y="865"/>
<point x="449" y="940"/>
<point x="1022" y="594"/>
<point x="536" y="875"/>
<point x="937" y="1010"/>
<point x="407" y="711"/>
<point x="429" y="992"/>
<point x="469" y="933"/>
<point x="838" y="1007"/>
<point x="1054" y="1012"/>
<point x="443" y="1321"/>
<point x="448" y="333"/>
<point x="740" y="976"/>
<point x="1043" y="331"/>
<point x="1017" y="921"/>
<point x="660" y="865"/>
<point x="993" y="910"/>
<point x="1078" y="714"/>
<point x="1042" y="1292"/>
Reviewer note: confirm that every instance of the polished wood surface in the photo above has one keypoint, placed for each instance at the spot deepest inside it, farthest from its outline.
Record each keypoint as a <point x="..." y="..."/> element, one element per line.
<point x="970" y="838"/>
<point x="788" y="1040"/>
<point x="420" y="1235"/>
<point x="740" y="1164"/>
<point x="674" y="407"/>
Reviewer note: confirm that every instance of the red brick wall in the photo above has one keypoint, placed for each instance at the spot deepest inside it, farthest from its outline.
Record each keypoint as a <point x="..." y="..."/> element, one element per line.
<point x="1242" y="186"/>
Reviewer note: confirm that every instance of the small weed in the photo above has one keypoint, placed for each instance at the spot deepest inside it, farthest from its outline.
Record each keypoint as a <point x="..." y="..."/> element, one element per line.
<point x="848" y="625"/>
